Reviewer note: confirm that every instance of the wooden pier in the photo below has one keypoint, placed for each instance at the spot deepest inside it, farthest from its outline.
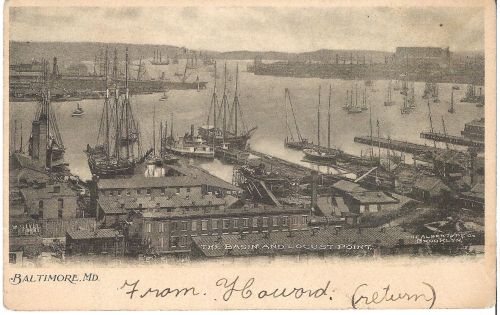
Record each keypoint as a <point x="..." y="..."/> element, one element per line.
<point x="397" y="145"/>
<point x="456" y="140"/>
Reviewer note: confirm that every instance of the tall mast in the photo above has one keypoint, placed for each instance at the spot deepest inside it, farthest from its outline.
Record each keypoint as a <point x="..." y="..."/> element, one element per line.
<point x="172" y="126"/>
<point x="430" y="119"/>
<point x="452" y="109"/>
<point x="126" y="103"/>
<point x="371" y="134"/>
<point x="236" y="103"/>
<point x="378" y="139"/>
<point x="319" y="104"/>
<point x="287" y="92"/>
<point x="154" y="129"/>
<point x="329" y="114"/>
<point x="106" y="103"/>
<point x="224" y="98"/>
<point x="444" y="131"/>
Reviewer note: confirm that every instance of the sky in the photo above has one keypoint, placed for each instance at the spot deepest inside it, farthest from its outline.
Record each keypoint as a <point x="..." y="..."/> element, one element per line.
<point x="255" y="28"/>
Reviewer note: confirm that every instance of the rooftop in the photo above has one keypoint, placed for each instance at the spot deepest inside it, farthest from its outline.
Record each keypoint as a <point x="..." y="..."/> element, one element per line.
<point x="224" y="212"/>
<point x="373" y="197"/>
<point x="430" y="183"/>
<point x="98" y="233"/>
<point x="140" y="181"/>
<point x="348" y="186"/>
<point x="48" y="192"/>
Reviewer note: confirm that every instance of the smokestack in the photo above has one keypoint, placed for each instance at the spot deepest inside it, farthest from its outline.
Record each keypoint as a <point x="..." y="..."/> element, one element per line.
<point x="314" y="190"/>
<point x="192" y="131"/>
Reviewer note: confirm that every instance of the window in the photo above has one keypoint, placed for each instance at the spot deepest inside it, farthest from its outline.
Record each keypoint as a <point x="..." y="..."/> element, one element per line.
<point x="178" y="190"/>
<point x="255" y="222"/>
<point x="119" y="193"/>
<point x="160" y="227"/>
<point x="215" y="224"/>
<point x="60" y="203"/>
<point x="60" y="213"/>
<point x="184" y="225"/>
<point x="188" y="189"/>
<point x="304" y="219"/>
<point x="128" y="192"/>
<point x="161" y="241"/>
<point x="204" y="224"/>
<point x="163" y="191"/>
<point x="245" y="222"/>
<point x="148" y="226"/>
<point x="148" y="191"/>
<point x="264" y="221"/>
<point x="235" y="223"/>
<point x="285" y="221"/>
<point x="174" y="240"/>
<point x="174" y="226"/>
<point x="138" y="191"/>
<point x="183" y="241"/>
<point x="111" y="193"/>
<point x="295" y="220"/>
<point x="225" y="224"/>
<point x="40" y="204"/>
<point x="194" y="225"/>
<point x="275" y="221"/>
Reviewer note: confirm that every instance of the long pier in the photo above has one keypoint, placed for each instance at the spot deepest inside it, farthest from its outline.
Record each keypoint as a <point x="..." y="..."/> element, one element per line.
<point x="287" y="169"/>
<point x="397" y="145"/>
<point x="456" y="140"/>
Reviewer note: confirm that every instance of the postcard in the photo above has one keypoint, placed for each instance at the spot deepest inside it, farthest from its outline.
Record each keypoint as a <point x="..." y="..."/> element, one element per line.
<point x="237" y="155"/>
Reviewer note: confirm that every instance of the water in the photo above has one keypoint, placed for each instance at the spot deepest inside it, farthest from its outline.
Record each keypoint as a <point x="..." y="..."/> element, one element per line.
<point x="262" y="103"/>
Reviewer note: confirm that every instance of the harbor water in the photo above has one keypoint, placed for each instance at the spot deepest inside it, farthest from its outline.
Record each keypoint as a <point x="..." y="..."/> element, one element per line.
<point x="262" y="104"/>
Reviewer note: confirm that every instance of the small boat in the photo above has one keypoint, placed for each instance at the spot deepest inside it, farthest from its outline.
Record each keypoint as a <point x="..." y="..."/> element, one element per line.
<point x="164" y="97"/>
<point x="451" y="110"/>
<point x="323" y="155"/>
<point x="78" y="112"/>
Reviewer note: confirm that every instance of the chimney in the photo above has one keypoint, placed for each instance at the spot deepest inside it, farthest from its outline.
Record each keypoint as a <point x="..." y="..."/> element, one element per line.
<point x="314" y="190"/>
<point x="192" y="130"/>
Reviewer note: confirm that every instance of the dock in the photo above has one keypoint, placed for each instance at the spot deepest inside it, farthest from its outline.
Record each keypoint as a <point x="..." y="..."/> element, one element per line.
<point x="397" y="145"/>
<point x="285" y="168"/>
<point x="456" y="140"/>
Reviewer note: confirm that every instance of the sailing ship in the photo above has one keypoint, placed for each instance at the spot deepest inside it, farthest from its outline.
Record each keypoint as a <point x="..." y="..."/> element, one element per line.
<point x="296" y="142"/>
<point x="452" y="108"/>
<point x="352" y="106"/>
<point x="389" y="101"/>
<point x="78" y="112"/>
<point x="228" y="124"/>
<point x="157" y="61"/>
<point x="118" y="148"/>
<point x="318" y="152"/>
<point x="407" y="108"/>
<point x="45" y="143"/>
<point x="435" y="94"/>
<point x="471" y="96"/>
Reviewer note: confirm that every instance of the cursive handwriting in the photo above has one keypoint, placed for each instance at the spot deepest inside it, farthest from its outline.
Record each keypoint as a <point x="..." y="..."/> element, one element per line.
<point x="245" y="290"/>
<point x="385" y="295"/>
<point x="156" y="293"/>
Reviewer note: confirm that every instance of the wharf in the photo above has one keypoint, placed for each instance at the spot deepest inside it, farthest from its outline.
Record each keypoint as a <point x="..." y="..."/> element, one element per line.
<point x="397" y="145"/>
<point x="285" y="168"/>
<point x="456" y="140"/>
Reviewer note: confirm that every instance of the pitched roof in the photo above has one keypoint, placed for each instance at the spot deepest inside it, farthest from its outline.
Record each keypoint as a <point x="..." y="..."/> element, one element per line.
<point x="430" y="183"/>
<point x="373" y="197"/>
<point x="140" y="181"/>
<point x="98" y="233"/>
<point x="261" y="243"/>
<point x="348" y="186"/>
<point x="48" y="192"/>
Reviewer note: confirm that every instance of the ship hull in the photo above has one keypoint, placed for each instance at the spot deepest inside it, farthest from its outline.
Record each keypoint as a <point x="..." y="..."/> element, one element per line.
<point x="190" y="154"/>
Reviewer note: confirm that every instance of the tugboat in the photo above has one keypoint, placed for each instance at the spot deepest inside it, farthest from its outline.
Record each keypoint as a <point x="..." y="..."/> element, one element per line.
<point x="187" y="146"/>
<point x="78" y="112"/>
<point x="389" y="101"/>
<point x="164" y="97"/>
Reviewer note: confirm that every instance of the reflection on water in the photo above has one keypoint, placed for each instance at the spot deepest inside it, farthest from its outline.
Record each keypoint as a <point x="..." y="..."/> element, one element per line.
<point x="262" y="103"/>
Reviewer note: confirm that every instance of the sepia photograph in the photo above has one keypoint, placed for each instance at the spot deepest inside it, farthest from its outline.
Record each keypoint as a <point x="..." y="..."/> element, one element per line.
<point x="181" y="135"/>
